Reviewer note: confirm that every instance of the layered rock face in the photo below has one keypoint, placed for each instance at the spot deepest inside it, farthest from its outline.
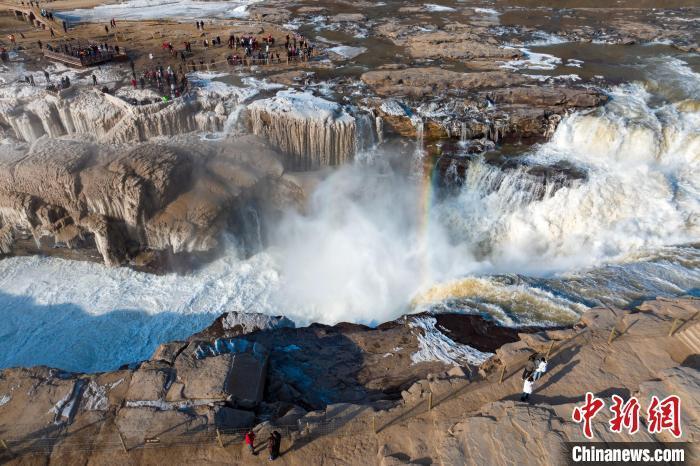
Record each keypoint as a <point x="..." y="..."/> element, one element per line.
<point x="105" y="118"/>
<point x="488" y="105"/>
<point x="129" y="198"/>
<point x="313" y="131"/>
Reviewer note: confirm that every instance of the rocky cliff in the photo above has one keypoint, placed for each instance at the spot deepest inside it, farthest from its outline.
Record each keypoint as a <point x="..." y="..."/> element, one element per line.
<point x="315" y="132"/>
<point x="105" y="118"/>
<point x="490" y="105"/>
<point x="129" y="199"/>
<point x="352" y="395"/>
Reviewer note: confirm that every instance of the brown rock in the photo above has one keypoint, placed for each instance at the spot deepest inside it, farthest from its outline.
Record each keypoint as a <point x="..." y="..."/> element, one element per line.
<point x="420" y="81"/>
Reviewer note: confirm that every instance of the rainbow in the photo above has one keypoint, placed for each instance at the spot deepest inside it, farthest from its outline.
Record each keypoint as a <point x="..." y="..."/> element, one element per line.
<point x="426" y="192"/>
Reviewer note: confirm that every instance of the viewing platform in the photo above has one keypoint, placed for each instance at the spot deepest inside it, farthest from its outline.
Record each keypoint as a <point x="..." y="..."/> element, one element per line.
<point x="82" y="61"/>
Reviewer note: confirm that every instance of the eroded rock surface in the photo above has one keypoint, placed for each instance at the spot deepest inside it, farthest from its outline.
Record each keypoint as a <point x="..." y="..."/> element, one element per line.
<point x="124" y="200"/>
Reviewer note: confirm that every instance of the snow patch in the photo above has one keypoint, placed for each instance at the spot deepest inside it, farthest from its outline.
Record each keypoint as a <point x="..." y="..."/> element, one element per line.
<point x="302" y="106"/>
<point x="159" y="9"/>
<point x="169" y="405"/>
<point x="435" y="346"/>
<point x="347" y="51"/>
<point x="487" y="11"/>
<point x="560" y="77"/>
<point x="574" y="63"/>
<point x="393" y="108"/>
<point x="532" y="61"/>
<point x="5" y="399"/>
<point x="254" y="321"/>
<point x="95" y="395"/>
<point x="436" y="7"/>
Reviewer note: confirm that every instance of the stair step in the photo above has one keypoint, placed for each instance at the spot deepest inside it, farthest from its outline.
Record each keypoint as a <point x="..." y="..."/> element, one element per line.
<point x="691" y="340"/>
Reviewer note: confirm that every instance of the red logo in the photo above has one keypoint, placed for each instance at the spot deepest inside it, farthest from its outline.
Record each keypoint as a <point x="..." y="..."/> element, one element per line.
<point x="661" y="415"/>
<point x="625" y="415"/>
<point x="587" y="412"/>
<point x="665" y="415"/>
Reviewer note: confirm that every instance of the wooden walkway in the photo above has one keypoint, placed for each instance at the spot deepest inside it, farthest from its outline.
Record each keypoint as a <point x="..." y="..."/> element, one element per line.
<point x="33" y="15"/>
<point x="85" y="61"/>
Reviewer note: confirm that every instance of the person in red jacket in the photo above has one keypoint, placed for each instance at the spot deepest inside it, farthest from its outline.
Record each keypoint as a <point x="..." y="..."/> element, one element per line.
<point x="250" y="441"/>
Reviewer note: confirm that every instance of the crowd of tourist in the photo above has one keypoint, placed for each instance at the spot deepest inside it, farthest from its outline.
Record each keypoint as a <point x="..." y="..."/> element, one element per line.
<point x="86" y="53"/>
<point x="245" y="49"/>
<point x="166" y="81"/>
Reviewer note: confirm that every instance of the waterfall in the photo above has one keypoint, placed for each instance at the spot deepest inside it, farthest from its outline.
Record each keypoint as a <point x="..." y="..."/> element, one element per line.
<point x="365" y="134"/>
<point x="379" y="125"/>
<point x="641" y="190"/>
<point x="254" y="218"/>
<point x="463" y="139"/>
<point x="419" y="153"/>
<point x="232" y="119"/>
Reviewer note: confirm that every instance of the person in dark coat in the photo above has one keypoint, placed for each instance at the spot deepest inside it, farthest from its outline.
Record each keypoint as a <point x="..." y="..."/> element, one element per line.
<point x="273" y="445"/>
<point x="271" y="440"/>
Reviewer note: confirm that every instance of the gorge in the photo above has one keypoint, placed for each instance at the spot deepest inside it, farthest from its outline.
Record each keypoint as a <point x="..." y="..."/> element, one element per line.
<point x="434" y="192"/>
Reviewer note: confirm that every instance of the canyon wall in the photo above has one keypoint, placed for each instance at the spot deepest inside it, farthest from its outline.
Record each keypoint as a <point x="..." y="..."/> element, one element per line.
<point x="106" y="118"/>
<point x="129" y="198"/>
<point x="313" y="131"/>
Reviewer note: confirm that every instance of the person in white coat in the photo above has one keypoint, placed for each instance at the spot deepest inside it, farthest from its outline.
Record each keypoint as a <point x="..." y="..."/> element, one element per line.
<point x="541" y="369"/>
<point x="527" y="389"/>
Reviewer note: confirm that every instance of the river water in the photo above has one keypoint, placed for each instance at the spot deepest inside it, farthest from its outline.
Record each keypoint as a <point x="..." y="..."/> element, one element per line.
<point x="378" y="241"/>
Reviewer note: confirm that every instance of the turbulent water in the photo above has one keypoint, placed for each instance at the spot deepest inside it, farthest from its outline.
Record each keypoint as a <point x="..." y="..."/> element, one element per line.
<point x="375" y="243"/>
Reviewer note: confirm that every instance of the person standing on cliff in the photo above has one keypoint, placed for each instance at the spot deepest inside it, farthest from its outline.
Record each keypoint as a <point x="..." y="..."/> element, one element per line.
<point x="530" y="367"/>
<point x="541" y="369"/>
<point x="527" y="389"/>
<point x="273" y="445"/>
<point x="250" y="441"/>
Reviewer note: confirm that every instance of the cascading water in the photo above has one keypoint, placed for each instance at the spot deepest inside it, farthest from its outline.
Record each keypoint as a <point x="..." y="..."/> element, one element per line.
<point x="623" y="234"/>
<point x="254" y="217"/>
<point x="463" y="134"/>
<point x="417" y="167"/>
<point x="372" y="244"/>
